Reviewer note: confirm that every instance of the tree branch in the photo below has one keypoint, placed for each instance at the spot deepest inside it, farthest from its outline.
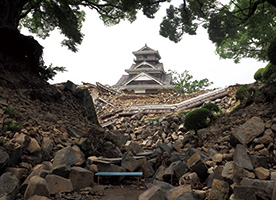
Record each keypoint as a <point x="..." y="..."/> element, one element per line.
<point x="272" y="2"/>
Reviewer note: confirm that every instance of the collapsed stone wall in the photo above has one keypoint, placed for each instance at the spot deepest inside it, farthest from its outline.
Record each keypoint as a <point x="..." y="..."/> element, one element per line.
<point x="58" y="146"/>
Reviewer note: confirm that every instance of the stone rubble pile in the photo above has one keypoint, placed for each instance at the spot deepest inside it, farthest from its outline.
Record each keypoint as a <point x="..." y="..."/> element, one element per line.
<point x="57" y="151"/>
<point x="46" y="134"/>
<point x="108" y="103"/>
<point x="233" y="159"/>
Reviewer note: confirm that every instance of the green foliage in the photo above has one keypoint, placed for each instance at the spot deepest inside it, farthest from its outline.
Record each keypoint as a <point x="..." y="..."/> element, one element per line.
<point x="266" y="75"/>
<point x="272" y="52"/>
<point x="211" y="106"/>
<point x="184" y="84"/>
<point x="244" y="94"/>
<point x="258" y="75"/>
<point x="10" y="126"/>
<point x="14" y="127"/>
<point x="48" y="72"/>
<point x="197" y="119"/>
<point x="269" y="74"/>
<point x="9" y="122"/>
<point x="12" y="112"/>
<point x="239" y="29"/>
<point x="42" y="17"/>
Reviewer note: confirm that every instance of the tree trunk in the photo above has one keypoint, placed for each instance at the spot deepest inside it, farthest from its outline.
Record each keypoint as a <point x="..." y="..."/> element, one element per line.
<point x="10" y="11"/>
<point x="15" y="47"/>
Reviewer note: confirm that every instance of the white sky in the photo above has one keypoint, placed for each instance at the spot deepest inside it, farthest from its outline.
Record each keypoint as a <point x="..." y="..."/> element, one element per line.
<point x="106" y="52"/>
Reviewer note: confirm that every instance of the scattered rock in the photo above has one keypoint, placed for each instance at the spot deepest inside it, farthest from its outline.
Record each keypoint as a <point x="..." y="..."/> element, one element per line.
<point x="241" y="157"/>
<point x="8" y="186"/>
<point x="65" y="156"/>
<point x="57" y="184"/>
<point x="196" y="164"/>
<point x="262" y="173"/>
<point x="220" y="190"/>
<point x="37" y="186"/>
<point x="249" y="130"/>
<point x="81" y="178"/>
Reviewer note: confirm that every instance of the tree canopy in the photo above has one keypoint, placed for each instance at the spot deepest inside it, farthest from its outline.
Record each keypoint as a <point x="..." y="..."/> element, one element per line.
<point x="42" y="16"/>
<point x="239" y="28"/>
<point x="183" y="82"/>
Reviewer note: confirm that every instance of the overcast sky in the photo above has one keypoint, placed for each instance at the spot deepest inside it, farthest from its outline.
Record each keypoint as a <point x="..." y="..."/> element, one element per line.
<point x="106" y="52"/>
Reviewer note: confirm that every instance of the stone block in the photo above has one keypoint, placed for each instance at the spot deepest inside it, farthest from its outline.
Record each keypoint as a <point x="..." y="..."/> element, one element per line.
<point x="37" y="186"/>
<point x="8" y="185"/>
<point x="262" y="173"/>
<point x="18" y="172"/>
<point x="241" y="157"/>
<point x="196" y="164"/>
<point x="261" y="188"/>
<point x="220" y="190"/>
<point x="160" y="173"/>
<point x="249" y="130"/>
<point x="35" y="172"/>
<point x="33" y="146"/>
<point x="134" y="147"/>
<point x="61" y="170"/>
<point x="232" y="172"/>
<point x="177" y="145"/>
<point x="57" y="184"/>
<point x="259" y="161"/>
<point x="81" y="178"/>
<point x="70" y="86"/>
<point x="163" y="185"/>
<point x="183" y="192"/>
<point x="165" y="147"/>
<point x="79" y="155"/>
<point x="65" y="156"/>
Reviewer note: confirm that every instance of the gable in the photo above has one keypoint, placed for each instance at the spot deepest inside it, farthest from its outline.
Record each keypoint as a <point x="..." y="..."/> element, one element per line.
<point x="143" y="77"/>
<point x="144" y="65"/>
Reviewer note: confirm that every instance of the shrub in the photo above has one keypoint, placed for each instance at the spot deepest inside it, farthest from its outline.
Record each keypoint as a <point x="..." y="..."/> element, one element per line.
<point x="243" y="94"/>
<point x="197" y="119"/>
<point x="12" y="112"/>
<point x="271" y="52"/>
<point x="258" y="75"/>
<point x="14" y="128"/>
<point x="269" y="73"/>
<point x="211" y="106"/>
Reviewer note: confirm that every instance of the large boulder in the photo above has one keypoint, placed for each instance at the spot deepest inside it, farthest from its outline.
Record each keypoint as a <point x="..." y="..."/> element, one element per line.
<point x="220" y="190"/>
<point x="81" y="178"/>
<point x="37" y="186"/>
<point x="36" y="171"/>
<point x="183" y="192"/>
<point x="241" y="157"/>
<point x="254" y="189"/>
<point x="65" y="156"/>
<point x="58" y="184"/>
<point x="8" y="185"/>
<point x="249" y="130"/>
<point x="196" y="164"/>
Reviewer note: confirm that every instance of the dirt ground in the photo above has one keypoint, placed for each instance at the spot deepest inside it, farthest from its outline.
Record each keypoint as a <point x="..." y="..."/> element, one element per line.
<point x="124" y="190"/>
<point x="124" y="193"/>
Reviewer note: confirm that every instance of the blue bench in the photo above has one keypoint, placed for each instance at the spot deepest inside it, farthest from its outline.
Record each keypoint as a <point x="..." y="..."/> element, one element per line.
<point x="137" y="174"/>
